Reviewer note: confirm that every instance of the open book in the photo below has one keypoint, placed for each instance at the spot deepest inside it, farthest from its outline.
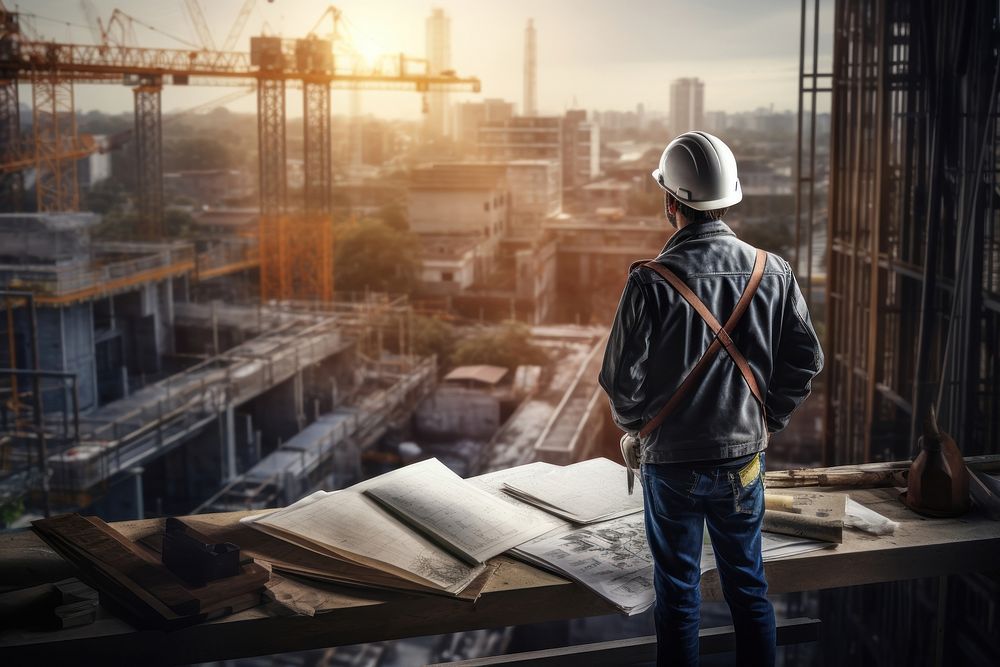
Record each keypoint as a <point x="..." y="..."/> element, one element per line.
<point x="421" y="523"/>
<point x="349" y="525"/>
<point x="456" y="515"/>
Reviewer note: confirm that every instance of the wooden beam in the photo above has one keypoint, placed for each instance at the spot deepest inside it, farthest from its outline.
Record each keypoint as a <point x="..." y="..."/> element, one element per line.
<point x="639" y="649"/>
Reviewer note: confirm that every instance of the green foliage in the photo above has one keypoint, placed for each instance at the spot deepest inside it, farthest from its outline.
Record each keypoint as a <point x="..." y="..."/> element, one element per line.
<point x="11" y="511"/>
<point x="375" y="256"/>
<point x="392" y="214"/>
<point x="196" y="153"/>
<point x="508" y="345"/>
<point x="434" y="336"/>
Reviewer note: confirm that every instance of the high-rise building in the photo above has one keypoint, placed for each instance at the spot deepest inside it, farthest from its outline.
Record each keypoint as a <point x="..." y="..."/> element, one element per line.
<point x="469" y="115"/>
<point x="530" y="101"/>
<point x="687" y="105"/>
<point x="438" y="60"/>
<point x="571" y="139"/>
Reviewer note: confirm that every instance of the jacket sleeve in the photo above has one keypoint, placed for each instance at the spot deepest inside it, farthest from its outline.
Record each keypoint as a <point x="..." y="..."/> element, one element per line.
<point x="626" y="357"/>
<point x="798" y="360"/>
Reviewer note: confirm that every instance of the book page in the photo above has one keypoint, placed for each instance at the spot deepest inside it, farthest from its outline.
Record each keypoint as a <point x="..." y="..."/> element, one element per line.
<point x="350" y="525"/>
<point x="611" y="558"/>
<point x="493" y="484"/>
<point x="465" y="519"/>
<point x="584" y="492"/>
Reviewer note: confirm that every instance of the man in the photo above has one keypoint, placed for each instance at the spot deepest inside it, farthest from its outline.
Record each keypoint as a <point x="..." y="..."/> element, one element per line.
<point x="711" y="351"/>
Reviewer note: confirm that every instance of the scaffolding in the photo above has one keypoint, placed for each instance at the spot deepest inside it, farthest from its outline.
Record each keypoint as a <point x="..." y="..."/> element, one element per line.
<point x="913" y="301"/>
<point x="914" y="243"/>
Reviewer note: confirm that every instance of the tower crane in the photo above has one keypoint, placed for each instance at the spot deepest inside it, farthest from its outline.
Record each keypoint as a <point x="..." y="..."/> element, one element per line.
<point x="272" y="63"/>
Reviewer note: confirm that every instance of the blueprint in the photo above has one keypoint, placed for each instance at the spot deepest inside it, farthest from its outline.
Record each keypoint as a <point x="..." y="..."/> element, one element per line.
<point x="584" y="492"/>
<point x="610" y="558"/>
<point x="455" y="514"/>
<point x="772" y="546"/>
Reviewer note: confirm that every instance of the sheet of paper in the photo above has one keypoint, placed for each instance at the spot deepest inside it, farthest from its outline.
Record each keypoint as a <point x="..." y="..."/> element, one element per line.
<point x="585" y="492"/>
<point x="611" y="558"/>
<point x="821" y="504"/>
<point x="772" y="546"/>
<point x="493" y="482"/>
<point x="350" y="525"/>
<point x="466" y="520"/>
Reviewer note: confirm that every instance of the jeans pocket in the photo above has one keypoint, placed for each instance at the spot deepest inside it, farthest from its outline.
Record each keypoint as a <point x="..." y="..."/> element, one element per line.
<point x="748" y="486"/>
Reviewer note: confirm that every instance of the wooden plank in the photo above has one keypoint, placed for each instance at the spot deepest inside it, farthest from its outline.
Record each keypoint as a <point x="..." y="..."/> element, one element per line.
<point x="91" y="543"/>
<point x="139" y="583"/>
<point x="637" y="650"/>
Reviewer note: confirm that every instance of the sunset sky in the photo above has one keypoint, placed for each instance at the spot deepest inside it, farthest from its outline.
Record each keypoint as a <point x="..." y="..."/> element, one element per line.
<point x="603" y="54"/>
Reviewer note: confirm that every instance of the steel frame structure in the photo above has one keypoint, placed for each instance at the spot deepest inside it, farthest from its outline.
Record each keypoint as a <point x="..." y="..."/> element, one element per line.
<point x="11" y="183"/>
<point x="148" y="138"/>
<point x="913" y="300"/>
<point x="292" y="264"/>
<point x="913" y="307"/>
<point x="54" y="133"/>
<point x="273" y="185"/>
<point x="317" y="146"/>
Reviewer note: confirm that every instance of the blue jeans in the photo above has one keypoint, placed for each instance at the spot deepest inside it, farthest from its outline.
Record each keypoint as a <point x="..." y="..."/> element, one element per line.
<point x="679" y="502"/>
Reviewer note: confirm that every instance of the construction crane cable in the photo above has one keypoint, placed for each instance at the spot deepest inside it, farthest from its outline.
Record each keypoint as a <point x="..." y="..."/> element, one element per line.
<point x="131" y="18"/>
<point x="40" y="17"/>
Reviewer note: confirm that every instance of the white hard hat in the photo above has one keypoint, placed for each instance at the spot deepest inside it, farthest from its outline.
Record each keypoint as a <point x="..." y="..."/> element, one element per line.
<point x="699" y="170"/>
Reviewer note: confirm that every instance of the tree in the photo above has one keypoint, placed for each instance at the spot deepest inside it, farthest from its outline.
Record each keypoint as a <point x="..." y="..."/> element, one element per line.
<point x="433" y="336"/>
<point x="199" y="152"/>
<point x="508" y="345"/>
<point x="372" y="255"/>
<point x="392" y="214"/>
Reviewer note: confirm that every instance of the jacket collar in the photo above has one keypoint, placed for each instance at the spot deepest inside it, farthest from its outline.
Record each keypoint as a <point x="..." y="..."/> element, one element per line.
<point x="697" y="231"/>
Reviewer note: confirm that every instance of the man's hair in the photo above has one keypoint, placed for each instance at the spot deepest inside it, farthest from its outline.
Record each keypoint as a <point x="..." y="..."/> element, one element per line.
<point x="693" y="215"/>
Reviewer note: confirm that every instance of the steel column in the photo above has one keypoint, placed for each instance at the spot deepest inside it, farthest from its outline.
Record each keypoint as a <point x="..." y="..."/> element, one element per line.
<point x="316" y="147"/>
<point x="11" y="184"/>
<point x="273" y="183"/>
<point x="54" y="133"/>
<point x="149" y="158"/>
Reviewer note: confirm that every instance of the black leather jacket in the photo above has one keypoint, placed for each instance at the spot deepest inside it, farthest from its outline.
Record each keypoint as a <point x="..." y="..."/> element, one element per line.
<point x="657" y="338"/>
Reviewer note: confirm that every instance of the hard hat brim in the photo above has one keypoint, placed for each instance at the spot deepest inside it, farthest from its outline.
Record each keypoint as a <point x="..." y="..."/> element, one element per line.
<point x="731" y="199"/>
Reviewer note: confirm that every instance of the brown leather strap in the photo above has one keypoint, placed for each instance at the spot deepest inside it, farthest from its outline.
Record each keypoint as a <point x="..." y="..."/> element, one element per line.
<point x="722" y="338"/>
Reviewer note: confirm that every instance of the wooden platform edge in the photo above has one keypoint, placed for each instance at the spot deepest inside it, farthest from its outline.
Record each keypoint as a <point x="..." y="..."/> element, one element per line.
<point x="639" y="649"/>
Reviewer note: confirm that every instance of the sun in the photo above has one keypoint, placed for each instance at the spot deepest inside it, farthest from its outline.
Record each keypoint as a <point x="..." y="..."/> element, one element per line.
<point x="369" y="51"/>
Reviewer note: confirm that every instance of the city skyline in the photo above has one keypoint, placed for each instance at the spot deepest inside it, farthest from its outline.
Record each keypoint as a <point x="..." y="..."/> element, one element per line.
<point x="638" y="52"/>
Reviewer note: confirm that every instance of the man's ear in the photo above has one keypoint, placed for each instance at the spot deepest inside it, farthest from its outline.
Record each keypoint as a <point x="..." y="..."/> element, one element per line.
<point x="671" y="203"/>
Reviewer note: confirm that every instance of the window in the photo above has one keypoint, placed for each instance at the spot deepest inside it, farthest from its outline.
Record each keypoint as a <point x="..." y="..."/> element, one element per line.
<point x="447" y="276"/>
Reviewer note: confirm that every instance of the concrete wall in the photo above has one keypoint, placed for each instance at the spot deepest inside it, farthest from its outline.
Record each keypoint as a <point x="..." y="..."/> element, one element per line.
<point x="456" y="211"/>
<point x="65" y="343"/>
<point x="453" y="411"/>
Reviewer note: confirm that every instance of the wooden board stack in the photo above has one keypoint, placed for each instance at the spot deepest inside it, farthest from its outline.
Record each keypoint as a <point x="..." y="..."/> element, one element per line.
<point x="134" y="582"/>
